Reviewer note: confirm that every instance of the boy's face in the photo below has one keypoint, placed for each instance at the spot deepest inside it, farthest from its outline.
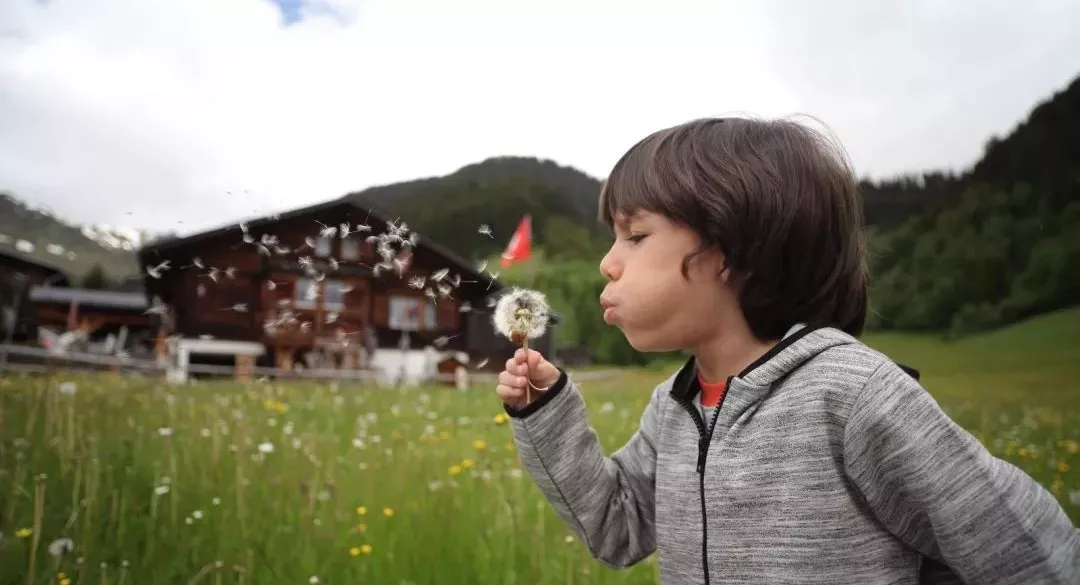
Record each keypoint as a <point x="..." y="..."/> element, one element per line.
<point x="647" y="296"/>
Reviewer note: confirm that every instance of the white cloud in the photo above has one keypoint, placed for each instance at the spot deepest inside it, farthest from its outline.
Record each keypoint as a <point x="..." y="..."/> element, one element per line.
<point x="146" y="113"/>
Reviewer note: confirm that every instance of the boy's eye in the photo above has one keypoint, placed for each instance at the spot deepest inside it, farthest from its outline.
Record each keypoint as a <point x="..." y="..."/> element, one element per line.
<point x="635" y="238"/>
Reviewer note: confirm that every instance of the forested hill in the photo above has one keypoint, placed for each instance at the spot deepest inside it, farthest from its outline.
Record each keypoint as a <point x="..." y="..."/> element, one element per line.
<point x="998" y="243"/>
<point x="1043" y="151"/>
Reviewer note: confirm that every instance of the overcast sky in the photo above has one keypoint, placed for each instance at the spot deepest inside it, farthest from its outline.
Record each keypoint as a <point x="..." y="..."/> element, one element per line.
<point x="193" y="113"/>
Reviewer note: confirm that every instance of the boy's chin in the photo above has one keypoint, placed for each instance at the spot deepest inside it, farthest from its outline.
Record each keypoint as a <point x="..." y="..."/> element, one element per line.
<point x="649" y="344"/>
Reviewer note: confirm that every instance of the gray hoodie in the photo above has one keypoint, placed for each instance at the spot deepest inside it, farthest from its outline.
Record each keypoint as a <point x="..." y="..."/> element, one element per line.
<point x="825" y="463"/>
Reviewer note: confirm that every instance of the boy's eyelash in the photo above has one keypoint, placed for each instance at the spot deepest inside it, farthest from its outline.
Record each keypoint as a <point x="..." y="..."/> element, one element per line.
<point x="635" y="238"/>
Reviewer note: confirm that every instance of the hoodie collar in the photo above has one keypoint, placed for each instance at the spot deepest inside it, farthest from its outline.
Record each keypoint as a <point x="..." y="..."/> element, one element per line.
<point x="800" y="344"/>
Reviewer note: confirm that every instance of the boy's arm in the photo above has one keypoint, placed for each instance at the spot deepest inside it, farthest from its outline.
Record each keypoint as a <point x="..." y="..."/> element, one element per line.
<point x="935" y="487"/>
<point x="607" y="502"/>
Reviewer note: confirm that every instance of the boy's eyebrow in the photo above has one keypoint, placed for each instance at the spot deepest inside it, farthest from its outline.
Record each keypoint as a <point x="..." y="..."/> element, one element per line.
<point x="625" y="219"/>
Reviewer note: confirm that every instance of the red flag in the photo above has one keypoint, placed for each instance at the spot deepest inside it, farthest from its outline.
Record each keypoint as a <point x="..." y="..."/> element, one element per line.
<point x="520" y="247"/>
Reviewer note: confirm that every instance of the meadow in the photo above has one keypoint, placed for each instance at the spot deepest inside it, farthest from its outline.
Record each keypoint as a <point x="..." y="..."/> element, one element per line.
<point x="128" y="480"/>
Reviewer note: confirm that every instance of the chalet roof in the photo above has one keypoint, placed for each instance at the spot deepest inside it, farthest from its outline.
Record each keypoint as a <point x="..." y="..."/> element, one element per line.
<point x="173" y="243"/>
<point x="20" y="256"/>
<point x="135" y="301"/>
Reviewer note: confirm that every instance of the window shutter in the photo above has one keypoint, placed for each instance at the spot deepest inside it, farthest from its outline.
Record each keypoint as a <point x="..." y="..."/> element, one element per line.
<point x="380" y="310"/>
<point x="449" y="317"/>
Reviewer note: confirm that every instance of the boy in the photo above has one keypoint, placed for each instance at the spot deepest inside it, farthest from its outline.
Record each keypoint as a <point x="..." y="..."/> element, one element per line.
<point x="784" y="451"/>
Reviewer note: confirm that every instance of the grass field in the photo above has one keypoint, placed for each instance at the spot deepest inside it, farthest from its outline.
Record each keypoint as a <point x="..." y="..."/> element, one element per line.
<point x="288" y="483"/>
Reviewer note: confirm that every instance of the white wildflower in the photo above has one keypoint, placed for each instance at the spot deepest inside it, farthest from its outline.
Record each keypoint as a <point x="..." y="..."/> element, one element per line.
<point x="61" y="547"/>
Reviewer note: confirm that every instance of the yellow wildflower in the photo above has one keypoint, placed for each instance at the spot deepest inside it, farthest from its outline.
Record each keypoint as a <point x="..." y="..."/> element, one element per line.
<point x="479" y="445"/>
<point x="501" y="418"/>
<point x="361" y="527"/>
<point x="510" y="447"/>
<point x="455" y="469"/>
<point x="388" y="512"/>
<point x="1063" y="466"/>
<point x="354" y="551"/>
<point x="467" y="463"/>
<point x="361" y="510"/>
<point x="23" y="533"/>
<point x="365" y="548"/>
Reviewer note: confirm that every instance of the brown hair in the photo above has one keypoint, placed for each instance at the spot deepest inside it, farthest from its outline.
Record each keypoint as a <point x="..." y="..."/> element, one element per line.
<point x="776" y="198"/>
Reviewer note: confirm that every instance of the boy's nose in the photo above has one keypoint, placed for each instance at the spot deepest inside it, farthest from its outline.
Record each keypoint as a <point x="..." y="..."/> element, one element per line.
<point x="608" y="267"/>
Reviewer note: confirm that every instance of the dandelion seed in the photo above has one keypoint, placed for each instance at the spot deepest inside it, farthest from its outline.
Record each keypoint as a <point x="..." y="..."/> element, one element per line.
<point x="442" y="341"/>
<point x="485" y="229"/>
<point x="416" y="282"/>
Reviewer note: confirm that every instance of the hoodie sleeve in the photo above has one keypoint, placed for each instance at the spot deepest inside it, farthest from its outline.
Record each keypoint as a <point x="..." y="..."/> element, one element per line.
<point x="607" y="501"/>
<point x="934" y="486"/>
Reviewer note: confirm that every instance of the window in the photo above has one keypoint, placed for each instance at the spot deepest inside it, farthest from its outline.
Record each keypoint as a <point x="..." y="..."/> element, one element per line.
<point x="307" y="290"/>
<point x="350" y="249"/>
<point x="334" y="295"/>
<point x="405" y="314"/>
<point x="322" y="246"/>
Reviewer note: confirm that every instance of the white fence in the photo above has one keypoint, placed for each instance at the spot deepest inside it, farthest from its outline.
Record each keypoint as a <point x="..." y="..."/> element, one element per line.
<point x="19" y="358"/>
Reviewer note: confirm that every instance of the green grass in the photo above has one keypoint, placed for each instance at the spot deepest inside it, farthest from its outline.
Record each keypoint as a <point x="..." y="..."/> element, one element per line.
<point x="85" y="467"/>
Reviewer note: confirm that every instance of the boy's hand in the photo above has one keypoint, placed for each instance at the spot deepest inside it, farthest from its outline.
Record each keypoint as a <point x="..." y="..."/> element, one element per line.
<point x="513" y="381"/>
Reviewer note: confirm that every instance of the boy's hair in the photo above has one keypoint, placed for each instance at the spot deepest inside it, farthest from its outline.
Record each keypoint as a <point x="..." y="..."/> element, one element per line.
<point x="776" y="198"/>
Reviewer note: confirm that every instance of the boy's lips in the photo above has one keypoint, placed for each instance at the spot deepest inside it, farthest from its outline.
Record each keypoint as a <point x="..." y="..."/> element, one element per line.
<point x="608" y="307"/>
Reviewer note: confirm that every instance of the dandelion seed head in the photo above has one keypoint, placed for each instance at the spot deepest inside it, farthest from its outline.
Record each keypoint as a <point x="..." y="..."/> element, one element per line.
<point x="61" y="547"/>
<point x="521" y="311"/>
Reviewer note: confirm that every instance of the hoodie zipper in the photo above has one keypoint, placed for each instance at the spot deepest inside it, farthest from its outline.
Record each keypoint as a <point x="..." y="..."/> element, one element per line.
<point x="704" y="439"/>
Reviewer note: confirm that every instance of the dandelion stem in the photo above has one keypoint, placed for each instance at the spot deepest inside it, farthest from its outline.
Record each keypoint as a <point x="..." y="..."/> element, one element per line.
<point x="39" y="510"/>
<point x="528" y="379"/>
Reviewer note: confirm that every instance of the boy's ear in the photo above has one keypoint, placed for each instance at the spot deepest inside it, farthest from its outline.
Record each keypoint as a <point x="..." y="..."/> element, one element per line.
<point x="725" y="271"/>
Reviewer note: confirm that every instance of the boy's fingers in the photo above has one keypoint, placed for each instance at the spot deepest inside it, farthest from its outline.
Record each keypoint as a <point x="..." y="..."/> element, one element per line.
<point x="507" y="393"/>
<point x="511" y="380"/>
<point x="532" y="357"/>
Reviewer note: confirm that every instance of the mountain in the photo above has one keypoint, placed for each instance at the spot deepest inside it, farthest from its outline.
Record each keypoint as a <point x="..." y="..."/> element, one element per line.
<point x="39" y="233"/>
<point x="995" y="244"/>
<point x="496" y="192"/>
<point x="1042" y="151"/>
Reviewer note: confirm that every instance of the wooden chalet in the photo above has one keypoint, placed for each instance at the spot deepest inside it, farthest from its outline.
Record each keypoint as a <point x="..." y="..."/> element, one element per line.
<point x="18" y="273"/>
<point x="16" y="265"/>
<point x="119" y="320"/>
<point x="312" y="288"/>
